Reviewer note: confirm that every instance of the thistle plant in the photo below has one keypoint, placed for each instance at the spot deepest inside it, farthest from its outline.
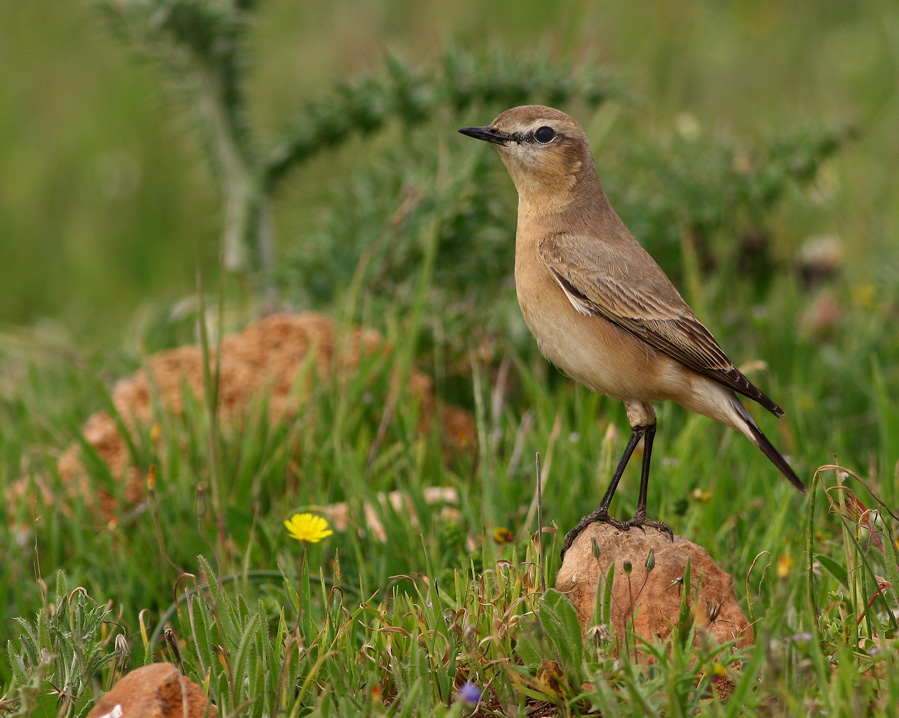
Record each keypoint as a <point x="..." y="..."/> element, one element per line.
<point x="200" y="47"/>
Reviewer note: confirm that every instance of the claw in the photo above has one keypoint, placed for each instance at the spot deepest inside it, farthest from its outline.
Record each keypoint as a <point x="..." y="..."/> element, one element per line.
<point x="642" y="522"/>
<point x="638" y="520"/>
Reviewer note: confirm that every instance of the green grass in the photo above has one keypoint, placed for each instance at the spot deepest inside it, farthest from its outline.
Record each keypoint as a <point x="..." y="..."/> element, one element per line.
<point x="359" y="626"/>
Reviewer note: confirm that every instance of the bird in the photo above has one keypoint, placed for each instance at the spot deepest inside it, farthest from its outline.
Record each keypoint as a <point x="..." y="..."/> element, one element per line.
<point x="599" y="306"/>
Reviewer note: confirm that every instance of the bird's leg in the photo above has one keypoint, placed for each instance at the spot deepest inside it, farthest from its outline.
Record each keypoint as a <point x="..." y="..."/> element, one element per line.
<point x="647" y="433"/>
<point x="639" y="517"/>
<point x="602" y="511"/>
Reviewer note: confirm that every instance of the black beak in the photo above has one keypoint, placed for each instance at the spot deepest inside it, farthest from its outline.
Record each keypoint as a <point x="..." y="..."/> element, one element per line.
<point x="488" y="134"/>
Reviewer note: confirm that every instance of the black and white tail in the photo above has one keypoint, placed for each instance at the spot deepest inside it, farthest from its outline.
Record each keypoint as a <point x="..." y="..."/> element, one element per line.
<point x="755" y="435"/>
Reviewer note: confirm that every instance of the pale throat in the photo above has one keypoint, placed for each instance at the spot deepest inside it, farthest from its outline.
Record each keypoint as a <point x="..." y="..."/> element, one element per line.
<point x="541" y="201"/>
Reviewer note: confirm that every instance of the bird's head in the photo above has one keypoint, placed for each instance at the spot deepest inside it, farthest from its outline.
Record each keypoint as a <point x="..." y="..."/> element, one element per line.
<point x="545" y="150"/>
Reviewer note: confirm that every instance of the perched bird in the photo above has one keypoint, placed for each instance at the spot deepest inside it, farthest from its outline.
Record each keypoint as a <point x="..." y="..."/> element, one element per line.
<point x="600" y="307"/>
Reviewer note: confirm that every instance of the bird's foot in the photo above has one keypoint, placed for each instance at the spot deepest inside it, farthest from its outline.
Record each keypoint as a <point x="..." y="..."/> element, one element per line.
<point x="598" y="515"/>
<point x="638" y="520"/>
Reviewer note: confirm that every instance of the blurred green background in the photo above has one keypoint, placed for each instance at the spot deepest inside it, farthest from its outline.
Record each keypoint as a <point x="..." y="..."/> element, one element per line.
<point x="107" y="208"/>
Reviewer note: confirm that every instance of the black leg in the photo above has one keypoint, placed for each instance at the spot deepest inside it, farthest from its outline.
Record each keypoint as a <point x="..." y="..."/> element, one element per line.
<point x="648" y="437"/>
<point x="602" y="511"/>
<point x="639" y="518"/>
<point x="647" y="433"/>
<point x="637" y="433"/>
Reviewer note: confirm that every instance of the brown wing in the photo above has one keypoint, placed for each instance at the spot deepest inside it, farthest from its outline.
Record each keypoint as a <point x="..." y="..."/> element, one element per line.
<point x="628" y="288"/>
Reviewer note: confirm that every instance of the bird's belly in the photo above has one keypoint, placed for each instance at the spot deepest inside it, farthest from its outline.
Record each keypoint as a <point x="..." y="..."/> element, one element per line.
<point x="590" y="349"/>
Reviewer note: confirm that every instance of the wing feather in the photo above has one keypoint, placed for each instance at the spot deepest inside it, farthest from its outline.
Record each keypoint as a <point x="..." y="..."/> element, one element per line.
<point x="631" y="290"/>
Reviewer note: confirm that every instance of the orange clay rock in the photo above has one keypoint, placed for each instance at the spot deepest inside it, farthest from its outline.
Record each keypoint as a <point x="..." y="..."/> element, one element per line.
<point x="279" y="358"/>
<point x="154" y="691"/>
<point x="651" y="601"/>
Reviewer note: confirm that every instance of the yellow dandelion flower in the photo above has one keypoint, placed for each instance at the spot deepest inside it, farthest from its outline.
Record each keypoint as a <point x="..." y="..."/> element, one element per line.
<point x="308" y="528"/>
<point x="785" y="565"/>
<point x="717" y="672"/>
<point x="701" y="496"/>
<point x="503" y="535"/>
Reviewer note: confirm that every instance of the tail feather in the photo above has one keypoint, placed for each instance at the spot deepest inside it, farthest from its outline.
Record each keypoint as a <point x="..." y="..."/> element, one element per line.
<point x="767" y="448"/>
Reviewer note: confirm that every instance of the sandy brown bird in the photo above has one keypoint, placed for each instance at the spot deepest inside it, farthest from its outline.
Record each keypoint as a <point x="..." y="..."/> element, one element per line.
<point x="600" y="307"/>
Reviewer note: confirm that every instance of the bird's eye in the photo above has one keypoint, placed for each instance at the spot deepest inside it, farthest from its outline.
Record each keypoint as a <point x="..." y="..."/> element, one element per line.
<point x="545" y="134"/>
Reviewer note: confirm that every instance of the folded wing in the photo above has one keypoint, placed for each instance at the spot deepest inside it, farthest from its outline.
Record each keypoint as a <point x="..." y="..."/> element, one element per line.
<point x="639" y="297"/>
